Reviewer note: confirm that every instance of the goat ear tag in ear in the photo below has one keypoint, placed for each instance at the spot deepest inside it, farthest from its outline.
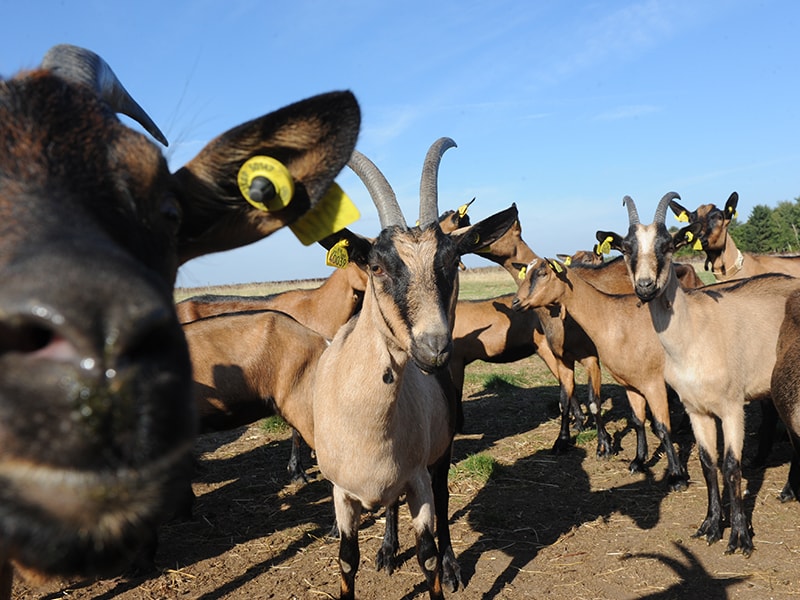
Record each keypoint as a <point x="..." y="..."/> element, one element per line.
<point x="683" y="217"/>
<point x="555" y="266"/>
<point x="332" y="213"/>
<point x="462" y="210"/>
<point x="265" y="183"/>
<point x="338" y="256"/>
<point x="522" y="272"/>
<point x="605" y="246"/>
<point x="568" y="261"/>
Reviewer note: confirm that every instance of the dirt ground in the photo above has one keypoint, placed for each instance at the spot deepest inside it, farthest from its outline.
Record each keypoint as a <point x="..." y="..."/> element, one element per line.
<point x="543" y="526"/>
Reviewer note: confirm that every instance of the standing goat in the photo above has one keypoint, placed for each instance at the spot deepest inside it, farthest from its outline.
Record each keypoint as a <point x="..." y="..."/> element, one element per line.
<point x="626" y="341"/>
<point x="720" y="347"/>
<point x="566" y="342"/>
<point x="384" y="408"/>
<point x="96" y="414"/>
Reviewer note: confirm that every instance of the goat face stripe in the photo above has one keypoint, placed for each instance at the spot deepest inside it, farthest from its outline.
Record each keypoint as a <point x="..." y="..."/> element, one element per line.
<point x="421" y="297"/>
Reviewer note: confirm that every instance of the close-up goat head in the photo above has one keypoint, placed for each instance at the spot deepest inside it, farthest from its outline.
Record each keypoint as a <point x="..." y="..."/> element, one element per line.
<point x="96" y="414"/>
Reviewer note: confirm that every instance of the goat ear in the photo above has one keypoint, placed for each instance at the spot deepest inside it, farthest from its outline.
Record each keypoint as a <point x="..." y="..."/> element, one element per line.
<point x="687" y="235"/>
<point x="522" y="269"/>
<point x="565" y="258"/>
<point x="311" y="140"/>
<point x="608" y="241"/>
<point x="485" y="232"/>
<point x="730" y="206"/>
<point x="680" y="212"/>
<point x="356" y="246"/>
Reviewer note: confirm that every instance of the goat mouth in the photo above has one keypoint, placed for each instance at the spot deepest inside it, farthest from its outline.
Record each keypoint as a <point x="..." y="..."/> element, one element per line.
<point x="62" y="521"/>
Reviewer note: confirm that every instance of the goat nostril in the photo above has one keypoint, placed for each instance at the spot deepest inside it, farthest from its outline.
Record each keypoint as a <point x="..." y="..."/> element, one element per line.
<point x="24" y="337"/>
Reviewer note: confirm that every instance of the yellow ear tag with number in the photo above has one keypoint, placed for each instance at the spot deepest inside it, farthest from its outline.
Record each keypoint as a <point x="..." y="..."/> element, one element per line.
<point x="683" y="217"/>
<point x="337" y="256"/>
<point x="605" y="246"/>
<point x="265" y="183"/>
<point x="522" y="272"/>
<point x="556" y="267"/>
<point x="332" y="213"/>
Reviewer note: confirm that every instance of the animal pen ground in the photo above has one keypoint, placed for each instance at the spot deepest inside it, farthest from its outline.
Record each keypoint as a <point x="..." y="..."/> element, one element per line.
<point x="525" y="523"/>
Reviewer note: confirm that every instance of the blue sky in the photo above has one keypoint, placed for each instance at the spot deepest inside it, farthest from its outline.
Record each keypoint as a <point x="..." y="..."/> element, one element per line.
<point x="560" y="106"/>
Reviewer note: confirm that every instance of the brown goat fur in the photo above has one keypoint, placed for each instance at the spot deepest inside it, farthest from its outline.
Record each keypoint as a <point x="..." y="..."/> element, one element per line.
<point x="626" y="342"/>
<point x="96" y="414"/>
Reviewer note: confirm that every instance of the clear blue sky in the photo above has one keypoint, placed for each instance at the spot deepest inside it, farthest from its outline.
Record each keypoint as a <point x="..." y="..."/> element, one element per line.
<point x="560" y="106"/>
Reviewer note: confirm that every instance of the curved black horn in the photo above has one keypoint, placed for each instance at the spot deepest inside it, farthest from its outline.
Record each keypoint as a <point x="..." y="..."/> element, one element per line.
<point x="380" y="191"/>
<point x="633" y="214"/>
<point x="661" y="209"/>
<point x="85" y="67"/>
<point x="429" y="184"/>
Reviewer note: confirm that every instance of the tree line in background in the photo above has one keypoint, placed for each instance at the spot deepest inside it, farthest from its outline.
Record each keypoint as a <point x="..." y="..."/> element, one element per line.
<point x="768" y="230"/>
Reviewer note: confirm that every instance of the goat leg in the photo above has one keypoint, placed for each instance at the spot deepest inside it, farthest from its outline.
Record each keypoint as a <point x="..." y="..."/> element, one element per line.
<point x="711" y="527"/>
<point x="348" y="516"/>
<point x="741" y="534"/>
<point x="451" y="570"/>
<point x="297" y="472"/>
<point x="677" y="480"/>
<point x="766" y="433"/>
<point x="564" y="439"/>
<point x="791" y="491"/>
<point x="387" y="553"/>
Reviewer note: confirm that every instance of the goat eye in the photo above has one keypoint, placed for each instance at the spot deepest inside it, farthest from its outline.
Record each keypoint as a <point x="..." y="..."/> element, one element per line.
<point x="377" y="270"/>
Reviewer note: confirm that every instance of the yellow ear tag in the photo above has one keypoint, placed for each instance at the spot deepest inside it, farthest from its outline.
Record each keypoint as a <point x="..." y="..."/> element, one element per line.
<point x="337" y="256"/>
<point x="568" y="261"/>
<point x="462" y="210"/>
<point x="332" y="213"/>
<point x="697" y="244"/>
<point x="275" y="173"/>
<point x="605" y="246"/>
<point x="556" y="267"/>
<point x="683" y="217"/>
<point x="522" y="272"/>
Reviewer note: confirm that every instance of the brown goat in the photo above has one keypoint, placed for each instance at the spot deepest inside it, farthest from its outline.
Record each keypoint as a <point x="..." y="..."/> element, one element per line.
<point x="720" y="349"/>
<point x="96" y="413"/>
<point x="566" y="342"/>
<point x="786" y="388"/>
<point x="723" y="258"/>
<point x="627" y="344"/>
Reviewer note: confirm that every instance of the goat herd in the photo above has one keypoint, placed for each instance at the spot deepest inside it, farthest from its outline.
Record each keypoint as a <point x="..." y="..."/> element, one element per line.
<point x="103" y="388"/>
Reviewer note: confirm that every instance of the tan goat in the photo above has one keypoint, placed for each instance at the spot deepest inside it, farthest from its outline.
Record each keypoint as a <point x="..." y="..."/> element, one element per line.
<point x="626" y="342"/>
<point x="383" y="398"/>
<point x="728" y="263"/>
<point x="720" y="349"/>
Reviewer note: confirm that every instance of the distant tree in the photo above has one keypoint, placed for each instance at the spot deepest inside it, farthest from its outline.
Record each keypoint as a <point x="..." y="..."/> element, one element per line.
<point x="760" y="233"/>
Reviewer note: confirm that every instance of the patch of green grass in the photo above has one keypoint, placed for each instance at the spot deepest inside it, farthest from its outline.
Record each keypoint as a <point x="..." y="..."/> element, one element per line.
<point x="478" y="467"/>
<point x="586" y="436"/>
<point x="496" y="382"/>
<point x="274" y="424"/>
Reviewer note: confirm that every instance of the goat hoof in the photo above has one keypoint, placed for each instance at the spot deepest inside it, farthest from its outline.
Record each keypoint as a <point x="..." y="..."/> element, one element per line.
<point x="451" y="574"/>
<point x="386" y="559"/>
<point x="636" y="466"/>
<point x="678" y="483"/>
<point x="787" y="494"/>
<point x="561" y="446"/>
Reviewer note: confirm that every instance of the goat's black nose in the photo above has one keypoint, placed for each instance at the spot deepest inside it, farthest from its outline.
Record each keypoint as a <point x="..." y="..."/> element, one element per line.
<point x="516" y="304"/>
<point x="432" y="352"/>
<point x="646" y="289"/>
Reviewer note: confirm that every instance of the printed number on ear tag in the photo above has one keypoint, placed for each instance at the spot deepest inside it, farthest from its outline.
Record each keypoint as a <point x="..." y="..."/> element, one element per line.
<point x="337" y="256"/>
<point x="265" y="183"/>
